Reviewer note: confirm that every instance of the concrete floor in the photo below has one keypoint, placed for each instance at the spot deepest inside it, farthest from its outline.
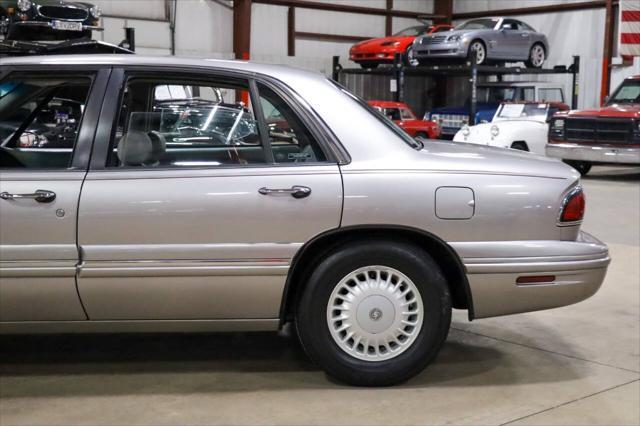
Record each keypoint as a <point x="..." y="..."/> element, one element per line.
<point x="576" y="365"/>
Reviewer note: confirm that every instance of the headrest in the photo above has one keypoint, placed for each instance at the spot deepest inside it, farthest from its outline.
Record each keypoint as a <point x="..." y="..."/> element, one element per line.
<point x="140" y="149"/>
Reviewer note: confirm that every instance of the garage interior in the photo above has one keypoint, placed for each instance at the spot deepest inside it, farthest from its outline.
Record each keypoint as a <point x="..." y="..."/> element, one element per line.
<point x="578" y="365"/>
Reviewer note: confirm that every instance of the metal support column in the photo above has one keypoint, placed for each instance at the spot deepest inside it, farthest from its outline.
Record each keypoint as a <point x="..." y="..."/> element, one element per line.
<point x="335" y="69"/>
<point x="575" y="84"/>
<point x="473" y="105"/>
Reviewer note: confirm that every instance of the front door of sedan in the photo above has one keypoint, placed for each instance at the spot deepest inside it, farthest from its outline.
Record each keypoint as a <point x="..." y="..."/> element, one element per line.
<point x="46" y="130"/>
<point x="196" y="204"/>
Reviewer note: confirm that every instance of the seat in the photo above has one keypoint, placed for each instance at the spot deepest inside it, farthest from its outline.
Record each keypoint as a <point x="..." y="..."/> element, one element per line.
<point x="141" y="149"/>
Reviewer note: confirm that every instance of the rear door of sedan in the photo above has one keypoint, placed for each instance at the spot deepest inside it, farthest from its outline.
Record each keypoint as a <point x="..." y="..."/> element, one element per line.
<point x="202" y="187"/>
<point x="47" y="121"/>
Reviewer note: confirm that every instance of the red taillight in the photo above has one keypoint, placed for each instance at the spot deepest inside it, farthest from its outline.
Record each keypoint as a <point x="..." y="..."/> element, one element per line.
<point x="573" y="210"/>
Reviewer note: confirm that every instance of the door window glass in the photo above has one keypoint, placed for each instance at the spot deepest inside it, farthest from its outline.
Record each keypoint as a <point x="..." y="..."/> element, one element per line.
<point x="392" y="114"/>
<point x="165" y="123"/>
<point x="290" y="140"/>
<point x="406" y="114"/>
<point x="550" y="95"/>
<point x="529" y="94"/>
<point x="39" y="121"/>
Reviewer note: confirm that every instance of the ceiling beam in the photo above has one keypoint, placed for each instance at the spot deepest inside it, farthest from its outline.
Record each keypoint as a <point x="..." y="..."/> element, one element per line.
<point x="304" y="4"/>
<point x="560" y="7"/>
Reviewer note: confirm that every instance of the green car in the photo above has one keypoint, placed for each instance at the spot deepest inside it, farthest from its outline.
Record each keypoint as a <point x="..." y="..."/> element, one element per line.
<point x="48" y="19"/>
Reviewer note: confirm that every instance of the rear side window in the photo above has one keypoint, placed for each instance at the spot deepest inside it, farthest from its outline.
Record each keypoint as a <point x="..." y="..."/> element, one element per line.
<point x="40" y="119"/>
<point x="289" y="139"/>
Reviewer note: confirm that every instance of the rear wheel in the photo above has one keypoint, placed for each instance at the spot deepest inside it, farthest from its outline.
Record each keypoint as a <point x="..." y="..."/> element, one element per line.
<point x="374" y="314"/>
<point x="422" y="135"/>
<point x="537" y="56"/>
<point x="582" y="166"/>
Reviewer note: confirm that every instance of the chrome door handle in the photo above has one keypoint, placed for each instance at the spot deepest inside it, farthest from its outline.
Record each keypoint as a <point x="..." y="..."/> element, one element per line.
<point x="296" y="191"/>
<point x="41" y="196"/>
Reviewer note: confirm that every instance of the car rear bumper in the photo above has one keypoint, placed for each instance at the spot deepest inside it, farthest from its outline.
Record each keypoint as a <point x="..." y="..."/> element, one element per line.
<point x="596" y="154"/>
<point x="576" y="270"/>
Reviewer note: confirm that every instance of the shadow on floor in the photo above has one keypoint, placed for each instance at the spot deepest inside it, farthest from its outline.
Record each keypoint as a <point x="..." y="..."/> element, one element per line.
<point x="66" y="365"/>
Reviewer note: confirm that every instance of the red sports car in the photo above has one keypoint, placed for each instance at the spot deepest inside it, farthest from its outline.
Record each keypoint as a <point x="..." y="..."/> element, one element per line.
<point x="371" y="53"/>
<point x="401" y="114"/>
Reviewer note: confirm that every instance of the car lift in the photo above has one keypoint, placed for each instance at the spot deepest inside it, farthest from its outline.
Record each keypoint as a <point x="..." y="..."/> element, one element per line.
<point x="399" y="70"/>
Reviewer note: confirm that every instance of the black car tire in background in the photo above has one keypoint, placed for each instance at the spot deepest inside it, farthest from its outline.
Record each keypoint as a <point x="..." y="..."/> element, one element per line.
<point x="582" y="166"/>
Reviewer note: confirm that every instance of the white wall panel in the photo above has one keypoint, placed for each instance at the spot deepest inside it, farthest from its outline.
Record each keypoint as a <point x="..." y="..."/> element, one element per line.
<point x="203" y="27"/>
<point x="268" y="30"/>
<point x="148" y="9"/>
<point x="460" y="6"/>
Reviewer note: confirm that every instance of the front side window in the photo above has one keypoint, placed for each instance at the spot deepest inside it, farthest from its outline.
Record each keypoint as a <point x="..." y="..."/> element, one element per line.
<point x="550" y="95"/>
<point x="170" y="123"/>
<point x="412" y="32"/>
<point x="406" y="114"/>
<point x="392" y="114"/>
<point x="510" y="24"/>
<point x="627" y="93"/>
<point x="40" y="119"/>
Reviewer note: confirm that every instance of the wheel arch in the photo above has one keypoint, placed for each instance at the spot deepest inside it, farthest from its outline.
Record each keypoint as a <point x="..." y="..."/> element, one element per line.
<point x="521" y="142"/>
<point x="309" y="255"/>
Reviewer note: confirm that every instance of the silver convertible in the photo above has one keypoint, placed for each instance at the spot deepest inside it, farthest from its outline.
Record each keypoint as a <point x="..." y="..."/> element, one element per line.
<point x="290" y="201"/>
<point x="490" y="39"/>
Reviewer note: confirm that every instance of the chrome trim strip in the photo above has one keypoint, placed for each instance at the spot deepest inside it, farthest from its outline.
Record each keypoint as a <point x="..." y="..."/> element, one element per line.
<point x="536" y="267"/>
<point x="139" y="326"/>
<point x="36" y="252"/>
<point x="31" y="271"/>
<point x="251" y="252"/>
<point x="175" y="269"/>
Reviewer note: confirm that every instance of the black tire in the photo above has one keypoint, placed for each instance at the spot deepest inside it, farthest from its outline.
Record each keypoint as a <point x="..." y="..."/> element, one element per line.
<point x="422" y="135"/>
<point x="407" y="57"/>
<point x="582" y="166"/>
<point x="520" y="145"/>
<point x="370" y="65"/>
<point x="531" y="62"/>
<point x="480" y="60"/>
<point x="311" y="313"/>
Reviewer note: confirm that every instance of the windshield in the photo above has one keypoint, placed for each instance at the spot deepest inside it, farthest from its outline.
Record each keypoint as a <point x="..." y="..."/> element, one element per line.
<point x="377" y="113"/>
<point x="411" y="31"/>
<point x="627" y="93"/>
<point x="478" y="24"/>
<point x="536" y="112"/>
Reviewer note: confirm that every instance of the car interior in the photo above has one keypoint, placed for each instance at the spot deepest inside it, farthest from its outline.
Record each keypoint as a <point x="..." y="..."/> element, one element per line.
<point x="160" y="124"/>
<point x="39" y="121"/>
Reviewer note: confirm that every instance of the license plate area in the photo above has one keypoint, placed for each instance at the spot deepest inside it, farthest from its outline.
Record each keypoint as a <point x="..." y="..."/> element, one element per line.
<point x="67" y="26"/>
